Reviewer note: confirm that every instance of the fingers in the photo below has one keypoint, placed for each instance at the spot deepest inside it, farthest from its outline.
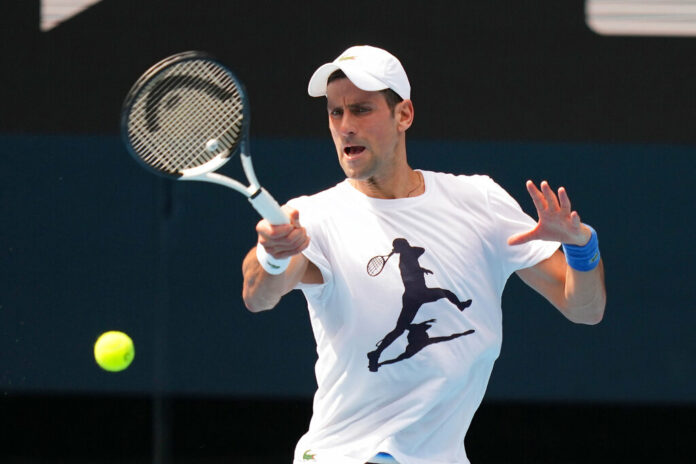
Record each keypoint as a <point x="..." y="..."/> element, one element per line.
<point x="284" y="240"/>
<point x="557" y="221"/>
<point x="520" y="238"/>
<point x="294" y="248"/>
<point x="537" y="196"/>
<point x="564" y="203"/>
<point x="545" y="198"/>
<point x="293" y="215"/>
<point x="269" y="231"/>
<point x="549" y="196"/>
<point x="564" y="200"/>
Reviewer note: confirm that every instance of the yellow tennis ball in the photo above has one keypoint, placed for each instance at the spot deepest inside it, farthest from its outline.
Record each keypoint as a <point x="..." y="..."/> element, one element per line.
<point x="114" y="351"/>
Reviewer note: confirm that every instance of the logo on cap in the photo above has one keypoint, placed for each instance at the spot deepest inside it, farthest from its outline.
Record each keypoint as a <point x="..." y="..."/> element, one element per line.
<point x="344" y="58"/>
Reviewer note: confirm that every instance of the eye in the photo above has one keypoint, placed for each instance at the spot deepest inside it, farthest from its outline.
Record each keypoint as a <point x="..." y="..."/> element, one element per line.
<point x="335" y="113"/>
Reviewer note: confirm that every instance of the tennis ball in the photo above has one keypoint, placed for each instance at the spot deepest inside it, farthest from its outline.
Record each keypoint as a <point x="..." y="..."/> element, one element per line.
<point x="114" y="351"/>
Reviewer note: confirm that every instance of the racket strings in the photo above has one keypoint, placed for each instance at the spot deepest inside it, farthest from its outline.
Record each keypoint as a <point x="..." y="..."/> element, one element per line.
<point x="375" y="265"/>
<point x="180" y="110"/>
<point x="227" y="123"/>
<point x="191" y="128"/>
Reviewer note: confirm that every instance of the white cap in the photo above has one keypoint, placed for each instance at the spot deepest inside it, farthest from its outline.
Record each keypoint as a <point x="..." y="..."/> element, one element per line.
<point x="369" y="68"/>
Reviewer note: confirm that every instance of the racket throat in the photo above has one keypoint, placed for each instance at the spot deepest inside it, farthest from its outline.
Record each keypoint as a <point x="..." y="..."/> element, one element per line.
<point x="215" y="178"/>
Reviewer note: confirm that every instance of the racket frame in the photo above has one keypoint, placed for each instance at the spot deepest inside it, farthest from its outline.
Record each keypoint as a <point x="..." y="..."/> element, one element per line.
<point x="259" y="197"/>
<point x="384" y="260"/>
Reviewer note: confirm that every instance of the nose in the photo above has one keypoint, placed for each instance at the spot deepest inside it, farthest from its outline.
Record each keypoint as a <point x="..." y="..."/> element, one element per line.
<point x="347" y="124"/>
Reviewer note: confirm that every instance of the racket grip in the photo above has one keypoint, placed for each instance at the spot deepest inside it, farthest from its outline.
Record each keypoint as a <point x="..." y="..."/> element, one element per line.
<point x="267" y="207"/>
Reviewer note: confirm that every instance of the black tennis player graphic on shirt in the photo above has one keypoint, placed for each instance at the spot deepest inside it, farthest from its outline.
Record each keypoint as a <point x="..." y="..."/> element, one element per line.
<point x="416" y="294"/>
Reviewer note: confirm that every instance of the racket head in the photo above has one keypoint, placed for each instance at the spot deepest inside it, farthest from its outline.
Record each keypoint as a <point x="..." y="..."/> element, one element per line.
<point x="185" y="116"/>
<point x="375" y="265"/>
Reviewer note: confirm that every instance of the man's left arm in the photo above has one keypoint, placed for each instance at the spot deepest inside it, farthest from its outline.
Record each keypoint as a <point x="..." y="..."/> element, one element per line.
<point x="577" y="289"/>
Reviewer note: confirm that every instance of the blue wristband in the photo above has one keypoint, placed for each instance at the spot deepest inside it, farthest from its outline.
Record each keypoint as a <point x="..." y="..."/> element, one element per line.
<point x="583" y="258"/>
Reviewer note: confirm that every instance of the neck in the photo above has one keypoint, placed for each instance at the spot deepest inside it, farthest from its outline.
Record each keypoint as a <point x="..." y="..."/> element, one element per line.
<point x="403" y="184"/>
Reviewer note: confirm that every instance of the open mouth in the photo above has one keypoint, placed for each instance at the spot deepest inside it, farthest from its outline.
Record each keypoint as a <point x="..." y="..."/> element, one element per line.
<point x="353" y="150"/>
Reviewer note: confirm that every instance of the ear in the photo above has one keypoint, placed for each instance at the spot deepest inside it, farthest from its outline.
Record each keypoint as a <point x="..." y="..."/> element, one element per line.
<point x="403" y="113"/>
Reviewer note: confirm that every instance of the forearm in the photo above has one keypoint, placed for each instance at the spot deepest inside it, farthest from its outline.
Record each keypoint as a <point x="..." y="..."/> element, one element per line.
<point x="262" y="291"/>
<point x="579" y="295"/>
<point x="584" y="295"/>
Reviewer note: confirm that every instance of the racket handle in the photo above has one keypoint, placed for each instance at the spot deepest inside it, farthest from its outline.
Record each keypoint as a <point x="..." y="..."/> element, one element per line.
<point x="267" y="207"/>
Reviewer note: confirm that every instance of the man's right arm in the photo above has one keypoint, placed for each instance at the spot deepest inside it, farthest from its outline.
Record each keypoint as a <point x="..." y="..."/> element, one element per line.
<point x="262" y="291"/>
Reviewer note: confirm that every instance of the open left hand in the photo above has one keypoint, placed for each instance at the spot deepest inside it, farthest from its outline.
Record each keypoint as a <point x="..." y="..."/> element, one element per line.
<point x="556" y="220"/>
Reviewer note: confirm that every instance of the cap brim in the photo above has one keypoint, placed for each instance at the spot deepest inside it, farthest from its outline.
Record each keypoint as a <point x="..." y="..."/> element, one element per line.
<point x="317" y="83"/>
<point x="361" y="79"/>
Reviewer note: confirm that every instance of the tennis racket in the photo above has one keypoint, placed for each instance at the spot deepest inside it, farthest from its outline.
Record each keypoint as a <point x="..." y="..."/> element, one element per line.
<point x="185" y="117"/>
<point x="376" y="264"/>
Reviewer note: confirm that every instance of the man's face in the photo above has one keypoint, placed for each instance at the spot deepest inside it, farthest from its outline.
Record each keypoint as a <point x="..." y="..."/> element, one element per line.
<point x="365" y="131"/>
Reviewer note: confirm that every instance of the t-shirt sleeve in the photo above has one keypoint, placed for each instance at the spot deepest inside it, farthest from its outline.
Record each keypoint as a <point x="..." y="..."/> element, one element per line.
<point x="509" y="219"/>
<point x="316" y="252"/>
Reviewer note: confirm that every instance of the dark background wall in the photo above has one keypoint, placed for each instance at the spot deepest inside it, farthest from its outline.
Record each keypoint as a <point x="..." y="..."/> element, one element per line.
<point x="518" y="90"/>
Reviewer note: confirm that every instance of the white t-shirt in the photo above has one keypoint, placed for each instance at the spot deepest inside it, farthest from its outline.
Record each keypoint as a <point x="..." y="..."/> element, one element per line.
<point x="438" y="296"/>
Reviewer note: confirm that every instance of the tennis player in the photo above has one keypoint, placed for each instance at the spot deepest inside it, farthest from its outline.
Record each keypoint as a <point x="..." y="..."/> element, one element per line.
<point x="405" y="354"/>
